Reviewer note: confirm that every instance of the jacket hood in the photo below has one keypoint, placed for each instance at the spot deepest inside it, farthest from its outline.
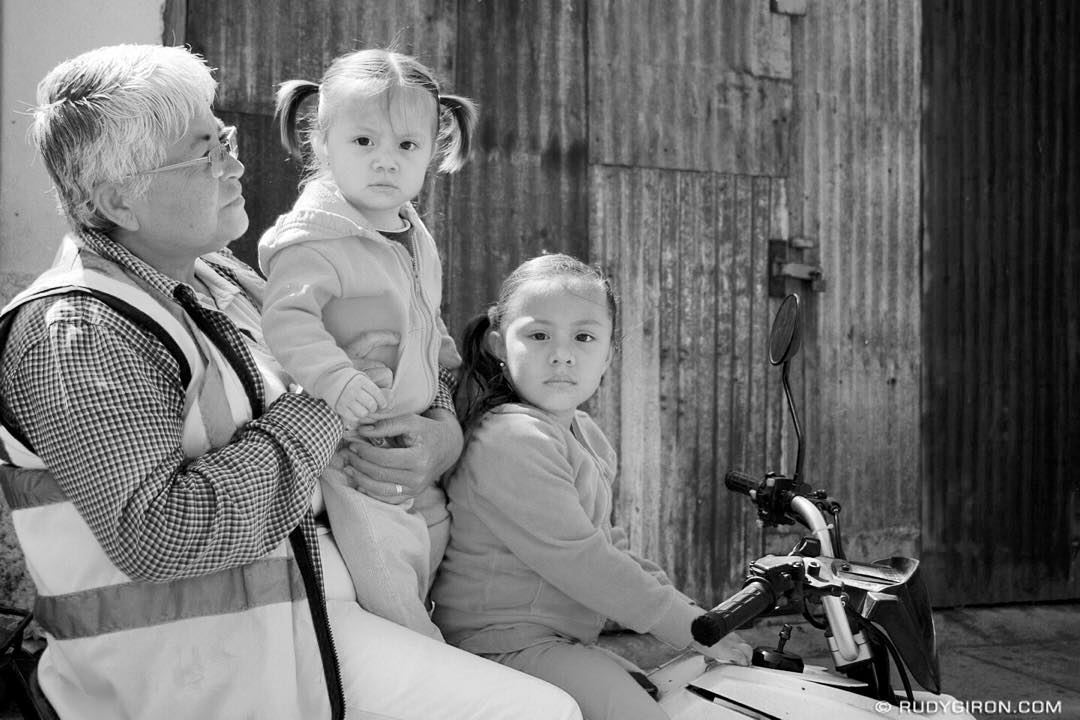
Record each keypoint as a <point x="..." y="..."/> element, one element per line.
<point x="320" y="213"/>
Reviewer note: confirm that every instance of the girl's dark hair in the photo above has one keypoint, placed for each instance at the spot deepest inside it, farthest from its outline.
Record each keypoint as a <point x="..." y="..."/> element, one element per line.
<point x="483" y="383"/>
<point x="377" y="71"/>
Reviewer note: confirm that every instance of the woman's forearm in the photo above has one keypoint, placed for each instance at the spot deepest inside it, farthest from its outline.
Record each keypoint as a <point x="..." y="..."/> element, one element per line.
<point x="448" y="440"/>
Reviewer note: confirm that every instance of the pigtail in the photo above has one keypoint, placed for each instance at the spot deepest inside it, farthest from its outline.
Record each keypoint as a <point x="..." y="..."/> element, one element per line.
<point x="457" y="128"/>
<point x="290" y="96"/>
<point x="483" y="384"/>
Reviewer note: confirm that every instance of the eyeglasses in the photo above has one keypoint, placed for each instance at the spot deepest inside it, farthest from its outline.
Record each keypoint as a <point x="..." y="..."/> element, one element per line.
<point x="227" y="145"/>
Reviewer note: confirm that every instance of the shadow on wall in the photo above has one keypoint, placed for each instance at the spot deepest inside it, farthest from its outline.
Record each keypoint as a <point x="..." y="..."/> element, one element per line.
<point x="16" y="588"/>
<point x="12" y="283"/>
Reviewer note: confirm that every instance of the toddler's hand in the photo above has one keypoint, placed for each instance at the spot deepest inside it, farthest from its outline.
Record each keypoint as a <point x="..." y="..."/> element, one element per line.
<point x="373" y="353"/>
<point x="360" y="398"/>
<point x="377" y="371"/>
<point x="729" y="649"/>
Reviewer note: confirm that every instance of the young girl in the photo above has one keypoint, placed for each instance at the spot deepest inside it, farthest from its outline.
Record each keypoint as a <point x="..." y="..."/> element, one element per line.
<point x="353" y="267"/>
<point x="532" y="571"/>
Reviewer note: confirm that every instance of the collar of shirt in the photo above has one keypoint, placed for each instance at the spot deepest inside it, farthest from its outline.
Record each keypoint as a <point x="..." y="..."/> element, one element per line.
<point x="109" y="249"/>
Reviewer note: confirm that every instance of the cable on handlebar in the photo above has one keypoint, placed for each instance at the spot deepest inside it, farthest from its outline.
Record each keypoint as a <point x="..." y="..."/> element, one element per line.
<point x="837" y="540"/>
<point x="873" y="631"/>
<point x="818" y="621"/>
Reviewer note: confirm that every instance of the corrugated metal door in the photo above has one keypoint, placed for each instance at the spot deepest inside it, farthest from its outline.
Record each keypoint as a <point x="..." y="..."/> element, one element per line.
<point x="1000" y="269"/>
<point x="689" y="152"/>
<point x="856" y="178"/>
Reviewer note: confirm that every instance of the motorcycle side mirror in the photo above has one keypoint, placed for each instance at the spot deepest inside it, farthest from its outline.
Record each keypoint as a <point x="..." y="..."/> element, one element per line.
<point x="785" y="338"/>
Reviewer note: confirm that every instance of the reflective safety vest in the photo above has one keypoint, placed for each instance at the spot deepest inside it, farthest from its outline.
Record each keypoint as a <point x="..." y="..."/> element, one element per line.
<point x="238" y="643"/>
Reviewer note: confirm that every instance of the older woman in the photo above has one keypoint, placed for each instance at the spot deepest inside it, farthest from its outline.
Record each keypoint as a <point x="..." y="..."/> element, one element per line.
<point x="160" y="475"/>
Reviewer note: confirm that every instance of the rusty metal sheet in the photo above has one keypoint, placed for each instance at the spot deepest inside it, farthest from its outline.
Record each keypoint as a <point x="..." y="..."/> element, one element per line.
<point x="856" y="176"/>
<point x="689" y="86"/>
<point x="258" y="44"/>
<point x="689" y="392"/>
<point x="524" y="191"/>
<point x="270" y="178"/>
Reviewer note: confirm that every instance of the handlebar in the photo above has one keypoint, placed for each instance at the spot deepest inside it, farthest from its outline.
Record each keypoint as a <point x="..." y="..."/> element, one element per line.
<point x="740" y="482"/>
<point x="781" y="499"/>
<point x="742" y="607"/>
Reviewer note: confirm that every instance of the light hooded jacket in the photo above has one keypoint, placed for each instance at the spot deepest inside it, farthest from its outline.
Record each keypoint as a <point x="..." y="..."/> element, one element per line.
<point x="229" y="637"/>
<point x="533" y="555"/>
<point x="332" y="279"/>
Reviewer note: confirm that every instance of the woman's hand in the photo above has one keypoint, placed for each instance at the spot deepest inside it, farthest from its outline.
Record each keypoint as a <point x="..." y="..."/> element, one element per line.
<point x="412" y="451"/>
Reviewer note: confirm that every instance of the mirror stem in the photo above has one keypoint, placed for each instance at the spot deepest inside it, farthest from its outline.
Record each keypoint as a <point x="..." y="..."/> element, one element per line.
<point x="795" y="419"/>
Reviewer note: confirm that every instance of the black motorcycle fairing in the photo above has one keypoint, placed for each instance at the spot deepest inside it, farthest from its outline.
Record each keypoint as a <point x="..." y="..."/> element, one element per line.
<point x="892" y="595"/>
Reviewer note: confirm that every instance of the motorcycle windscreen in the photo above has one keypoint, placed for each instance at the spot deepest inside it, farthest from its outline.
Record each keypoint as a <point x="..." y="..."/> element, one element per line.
<point x="894" y="597"/>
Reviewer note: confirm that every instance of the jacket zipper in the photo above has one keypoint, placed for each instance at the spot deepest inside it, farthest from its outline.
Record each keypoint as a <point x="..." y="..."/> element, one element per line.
<point x="425" y="303"/>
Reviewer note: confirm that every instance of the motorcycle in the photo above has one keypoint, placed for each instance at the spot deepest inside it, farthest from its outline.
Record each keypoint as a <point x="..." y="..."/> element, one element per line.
<point x="876" y="617"/>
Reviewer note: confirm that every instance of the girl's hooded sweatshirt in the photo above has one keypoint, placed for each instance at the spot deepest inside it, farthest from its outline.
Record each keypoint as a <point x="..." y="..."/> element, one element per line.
<point x="533" y="555"/>
<point x="331" y="279"/>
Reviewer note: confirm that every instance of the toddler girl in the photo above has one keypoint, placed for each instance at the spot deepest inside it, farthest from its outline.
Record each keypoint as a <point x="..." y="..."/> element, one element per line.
<point x="352" y="266"/>
<point x="534" y="567"/>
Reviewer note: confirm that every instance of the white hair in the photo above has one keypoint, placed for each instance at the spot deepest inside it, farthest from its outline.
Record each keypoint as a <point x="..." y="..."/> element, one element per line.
<point x="112" y="112"/>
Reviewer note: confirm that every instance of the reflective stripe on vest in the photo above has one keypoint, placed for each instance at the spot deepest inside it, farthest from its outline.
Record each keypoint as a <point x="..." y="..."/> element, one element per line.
<point x="28" y="487"/>
<point x="266" y="581"/>
<point x="126" y="605"/>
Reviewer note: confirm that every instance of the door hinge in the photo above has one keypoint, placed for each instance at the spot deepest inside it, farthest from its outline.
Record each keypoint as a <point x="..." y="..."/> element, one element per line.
<point x="789" y="265"/>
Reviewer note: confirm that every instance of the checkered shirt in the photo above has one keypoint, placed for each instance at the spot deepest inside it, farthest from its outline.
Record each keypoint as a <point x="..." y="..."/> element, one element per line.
<point x="444" y="396"/>
<point x="100" y="400"/>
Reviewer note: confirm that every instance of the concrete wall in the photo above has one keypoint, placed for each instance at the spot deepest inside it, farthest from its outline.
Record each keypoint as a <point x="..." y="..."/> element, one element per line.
<point x="36" y="35"/>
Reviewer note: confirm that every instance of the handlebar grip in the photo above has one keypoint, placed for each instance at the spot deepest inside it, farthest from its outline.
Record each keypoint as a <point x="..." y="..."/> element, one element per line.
<point x="738" y="481"/>
<point x="742" y="607"/>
